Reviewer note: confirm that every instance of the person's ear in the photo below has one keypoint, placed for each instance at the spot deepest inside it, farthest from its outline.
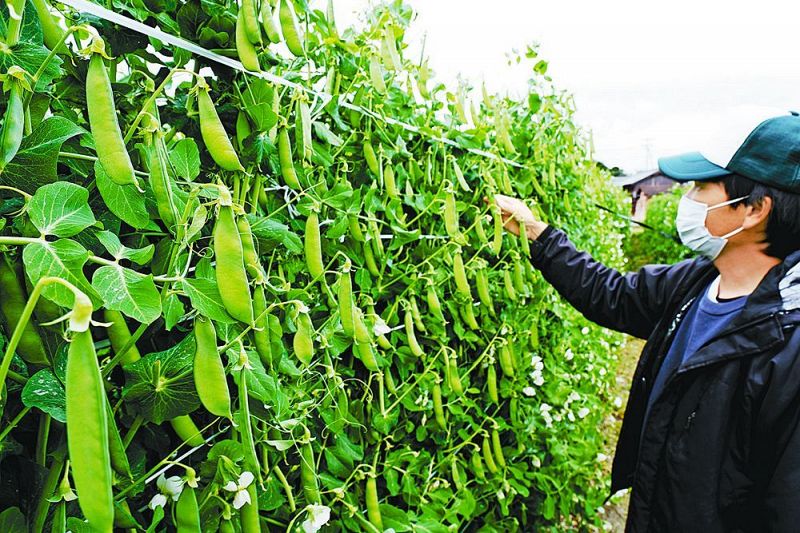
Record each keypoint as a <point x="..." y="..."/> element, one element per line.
<point x="758" y="213"/>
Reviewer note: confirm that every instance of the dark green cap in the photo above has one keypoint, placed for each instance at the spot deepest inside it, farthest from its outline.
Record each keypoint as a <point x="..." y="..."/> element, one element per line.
<point x="769" y="154"/>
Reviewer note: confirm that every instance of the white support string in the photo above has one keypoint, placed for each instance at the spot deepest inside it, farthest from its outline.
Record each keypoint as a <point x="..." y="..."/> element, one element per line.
<point x="91" y="8"/>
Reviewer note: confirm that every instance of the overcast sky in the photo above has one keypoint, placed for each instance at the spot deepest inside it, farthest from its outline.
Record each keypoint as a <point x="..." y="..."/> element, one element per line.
<point x="647" y="77"/>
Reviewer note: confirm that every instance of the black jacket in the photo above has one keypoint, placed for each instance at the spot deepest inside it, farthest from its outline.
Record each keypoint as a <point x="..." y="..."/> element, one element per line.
<point x="721" y="450"/>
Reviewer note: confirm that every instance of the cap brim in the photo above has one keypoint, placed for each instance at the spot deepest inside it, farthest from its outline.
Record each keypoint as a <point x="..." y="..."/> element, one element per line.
<point x="691" y="166"/>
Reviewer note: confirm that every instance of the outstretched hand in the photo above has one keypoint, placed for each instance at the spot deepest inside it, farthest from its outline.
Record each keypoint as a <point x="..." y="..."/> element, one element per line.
<point x="514" y="211"/>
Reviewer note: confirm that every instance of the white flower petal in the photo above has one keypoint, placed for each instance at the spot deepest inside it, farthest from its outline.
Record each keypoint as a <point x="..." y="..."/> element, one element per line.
<point x="245" y="479"/>
<point x="242" y="497"/>
<point x="161" y="482"/>
<point x="159" y="500"/>
<point x="231" y="486"/>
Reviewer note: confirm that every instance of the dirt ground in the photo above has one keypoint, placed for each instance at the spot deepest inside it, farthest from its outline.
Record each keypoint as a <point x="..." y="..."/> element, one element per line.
<point x="616" y="509"/>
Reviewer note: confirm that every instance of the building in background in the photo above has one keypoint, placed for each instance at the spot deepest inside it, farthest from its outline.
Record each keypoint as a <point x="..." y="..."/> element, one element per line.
<point x="643" y="186"/>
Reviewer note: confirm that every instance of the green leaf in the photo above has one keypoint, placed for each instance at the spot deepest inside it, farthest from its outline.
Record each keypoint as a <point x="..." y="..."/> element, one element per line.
<point x="274" y="232"/>
<point x="124" y="201"/>
<point x="61" y="209"/>
<point x="173" y="310"/>
<point x="160" y="386"/>
<point x="62" y="259"/>
<point x="129" y="292"/>
<point x="185" y="159"/>
<point x="266" y="388"/>
<point x="324" y="133"/>
<point x="395" y="518"/>
<point x="13" y="521"/>
<point x="258" y="104"/>
<point x="30" y="57"/>
<point x="205" y="298"/>
<point x="35" y="162"/>
<point x="110" y="242"/>
<point x="45" y="391"/>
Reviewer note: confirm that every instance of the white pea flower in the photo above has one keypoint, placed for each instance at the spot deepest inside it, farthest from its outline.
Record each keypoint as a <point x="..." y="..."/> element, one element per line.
<point x="571" y="416"/>
<point x="529" y="391"/>
<point x="380" y="328"/>
<point x="318" y="516"/>
<point x="574" y="396"/>
<point x="583" y="412"/>
<point x="545" y="407"/>
<point x="568" y="355"/>
<point x="585" y="330"/>
<point x="242" y="497"/>
<point x="169" y="487"/>
<point x="601" y="457"/>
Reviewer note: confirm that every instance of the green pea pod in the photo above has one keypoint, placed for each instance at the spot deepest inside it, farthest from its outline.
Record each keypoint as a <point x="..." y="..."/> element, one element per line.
<point x="488" y="456"/>
<point x="187" y="430"/>
<point x="453" y="377"/>
<point x="247" y="52"/>
<point x="253" y="31"/>
<point x="498" y="449"/>
<point x="389" y="180"/>
<point x="418" y="322"/>
<point x="116" y="449"/>
<point x="482" y="283"/>
<point x="460" y="275"/>
<point x="450" y="215"/>
<point x="249" y="253"/>
<point x="308" y="473"/>
<point x="511" y="293"/>
<point x="187" y="512"/>
<point x="376" y="75"/>
<point x="468" y="314"/>
<point x="366" y="353"/>
<point x="87" y="433"/>
<point x="355" y="228"/>
<point x="160" y="182"/>
<point x="303" y="341"/>
<point x="434" y="305"/>
<point x="375" y="233"/>
<point x="209" y="370"/>
<point x="388" y="381"/>
<point x="213" y="132"/>
<point x="506" y="364"/>
<point x="313" y="247"/>
<point x="389" y="50"/>
<point x="243" y="129"/>
<point x="268" y="23"/>
<point x="12" y="302"/>
<point x="412" y="337"/>
<point x="438" y="407"/>
<point x="109" y="144"/>
<point x="13" y="125"/>
<point x="369" y="259"/>
<point x="497" y="243"/>
<point x="249" y="518"/>
<point x="491" y="383"/>
<point x="51" y="31"/>
<point x="524" y="244"/>
<point x="303" y="130"/>
<point x="292" y="34"/>
<point x="480" y="231"/>
<point x="373" y="509"/>
<point x="462" y="182"/>
<point x="261" y="332"/>
<point x="518" y="277"/>
<point x="285" y="157"/>
<point x="246" y="429"/>
<point x="371" y="158"/>
<point x="477" y="466"/>
<point x="360" y="330"/>
<point x="346" y="302"/>
<point x="230" y="267"/>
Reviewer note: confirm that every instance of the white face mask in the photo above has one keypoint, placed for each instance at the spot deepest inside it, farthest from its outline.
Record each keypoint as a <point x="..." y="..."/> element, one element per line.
<point x="691" y="224"/>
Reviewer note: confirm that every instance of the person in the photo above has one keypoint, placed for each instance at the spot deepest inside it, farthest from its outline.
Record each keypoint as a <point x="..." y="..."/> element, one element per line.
<point x="710" y="439"/>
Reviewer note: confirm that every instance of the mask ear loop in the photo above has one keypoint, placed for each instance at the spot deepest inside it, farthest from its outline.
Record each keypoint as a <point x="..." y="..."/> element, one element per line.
<point x="729" y="202"/>
<point x="740" y="229"/>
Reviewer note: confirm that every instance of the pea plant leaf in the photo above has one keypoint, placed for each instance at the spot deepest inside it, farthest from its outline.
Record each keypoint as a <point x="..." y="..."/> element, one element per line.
<point x="160" y="386"/>
<point x="63" y="258"/>
<point x="129" y="292"/>
<point x="30" y="57"/>
<point x="185" y="159"/>
<point x="13" y="521"/>
<point x="61" y="209"/>
<point x="110" y="241"/>
<point x="123" y="200"/>
<point x="45" y="391"/>
<point x="271" y="233"/>
<point x="205" y="297"/>
<point x="35" y="162"/>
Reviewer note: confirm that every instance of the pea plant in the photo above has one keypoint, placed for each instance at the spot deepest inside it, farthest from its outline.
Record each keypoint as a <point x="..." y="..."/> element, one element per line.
<point x="270" y="294"/>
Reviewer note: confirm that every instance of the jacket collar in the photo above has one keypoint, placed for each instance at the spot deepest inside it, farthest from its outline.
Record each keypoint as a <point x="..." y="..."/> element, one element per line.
<point x="757" y="327"/>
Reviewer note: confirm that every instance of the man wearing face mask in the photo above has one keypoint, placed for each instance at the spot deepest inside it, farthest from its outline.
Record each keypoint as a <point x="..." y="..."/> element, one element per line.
<point x="710" y="440"/>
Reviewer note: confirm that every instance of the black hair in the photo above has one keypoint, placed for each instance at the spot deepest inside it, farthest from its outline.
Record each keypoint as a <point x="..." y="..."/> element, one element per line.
<point x="783" y="224"/>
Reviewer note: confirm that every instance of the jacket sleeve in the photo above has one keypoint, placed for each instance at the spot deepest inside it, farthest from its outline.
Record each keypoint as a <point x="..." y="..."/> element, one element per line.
<point x="632" y="303"/>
